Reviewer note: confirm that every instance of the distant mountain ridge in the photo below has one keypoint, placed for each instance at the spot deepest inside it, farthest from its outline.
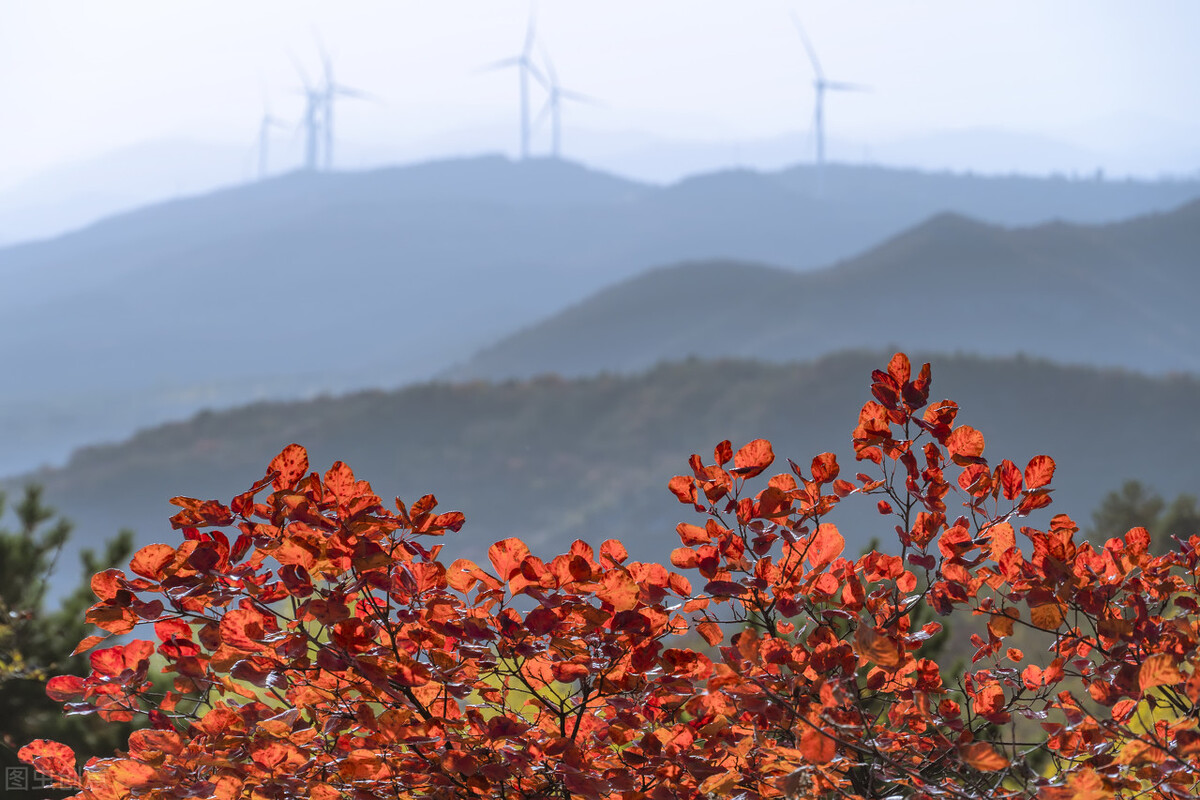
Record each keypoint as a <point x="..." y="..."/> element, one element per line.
<point x="313" y="283"/>
<point x="1113" y="295"/>
<point x="551" y="459"/>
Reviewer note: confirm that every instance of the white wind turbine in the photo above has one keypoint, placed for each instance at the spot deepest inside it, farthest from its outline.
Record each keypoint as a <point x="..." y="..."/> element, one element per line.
<point x="265" y="125"/>
<point x="821" y="85"/>
<point x="555" y="94"/>
<point x="526" y="67"/>
<point x="329" y="93"/>
<point x="314" y="101"/>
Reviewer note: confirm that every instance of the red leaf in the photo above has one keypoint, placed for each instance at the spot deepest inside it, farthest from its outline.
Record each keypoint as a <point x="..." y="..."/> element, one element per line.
<point x="683" y="557"/>
<point x="1039" y="472"/>
<point x="816" y="746"/>
<point x="149" y="561"/>
<point x="983" y="757"/>
<point x="106" y="584"/>
<point x="620" y="590"/>
<point x="614" y="551"/>
<point x="291" y="464"/>
<point x="900" y="369"/>
<point x="51" y="758"/>
<point x="684" y="488"/>
<point x="1010" y="479"/>
<point x="506" y="557"/>
<point x="824" y="467"/>
<point x="1158" y="670"/>
<point x="876" y="646"/>
<point x="65" y="688"/>
<point x="724" y="589"/>
<point x="722" y="453"/>
<point x="87" y="644"/>
<point x="339" y="480"/>
<point x="965" y="445"/>
<point x="752" y="459"/>
<point x="827" y="544"/>
<point x="711" y="632"/>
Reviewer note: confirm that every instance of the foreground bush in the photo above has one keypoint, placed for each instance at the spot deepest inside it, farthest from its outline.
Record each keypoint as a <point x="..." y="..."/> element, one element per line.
<point x="327" y="652"/>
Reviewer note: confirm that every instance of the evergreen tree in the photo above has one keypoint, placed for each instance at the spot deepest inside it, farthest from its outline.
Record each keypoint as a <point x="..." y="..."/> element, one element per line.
<point x="1135" y="505"/>
<point x="36" y="644"/>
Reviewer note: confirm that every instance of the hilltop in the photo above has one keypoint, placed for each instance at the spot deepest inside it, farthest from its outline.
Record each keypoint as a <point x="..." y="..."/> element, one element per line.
<point x="552" y="459"/>
<point x="1111" y="295"/>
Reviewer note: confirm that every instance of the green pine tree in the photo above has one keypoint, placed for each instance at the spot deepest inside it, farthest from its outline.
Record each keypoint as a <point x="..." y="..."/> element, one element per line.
<point x="36" y="644"/>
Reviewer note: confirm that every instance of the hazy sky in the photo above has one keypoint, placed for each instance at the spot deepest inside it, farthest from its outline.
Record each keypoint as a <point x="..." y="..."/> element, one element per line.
<point x="81" y="77"/>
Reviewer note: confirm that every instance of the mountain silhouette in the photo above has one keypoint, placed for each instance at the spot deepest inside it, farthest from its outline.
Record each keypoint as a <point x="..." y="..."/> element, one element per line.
<point x="1111" y="295"/>
<point x="329" y="282"/>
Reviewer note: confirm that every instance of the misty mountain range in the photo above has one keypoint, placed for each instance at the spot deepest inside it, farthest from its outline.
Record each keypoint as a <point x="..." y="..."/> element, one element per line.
<point x="66" y="197"/>
<point x="1121" y="294"/>
<point x="312" y="283"/>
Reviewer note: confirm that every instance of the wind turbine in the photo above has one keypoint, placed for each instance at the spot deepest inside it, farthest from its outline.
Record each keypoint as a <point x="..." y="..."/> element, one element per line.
<point x="821" y="85"/>
<point x="314" y="101"/>
<point x="331" y="91"/>
<point x="524" y="63"/>
<point x="264" y="139"/>
<point x="555" y="94"/>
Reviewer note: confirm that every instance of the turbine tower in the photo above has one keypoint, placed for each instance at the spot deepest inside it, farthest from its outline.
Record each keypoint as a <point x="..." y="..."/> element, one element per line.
<point x="264" y="139"/>
<point x="329" y="93"/>
<point x="314" y="101"/>
<point x="526" y="67"/>
<point x="555" y="94"/>
<point x="821" y="85"/>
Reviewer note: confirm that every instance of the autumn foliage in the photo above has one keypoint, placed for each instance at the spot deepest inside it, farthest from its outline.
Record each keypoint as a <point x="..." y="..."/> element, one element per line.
<point x="319" y="646"/>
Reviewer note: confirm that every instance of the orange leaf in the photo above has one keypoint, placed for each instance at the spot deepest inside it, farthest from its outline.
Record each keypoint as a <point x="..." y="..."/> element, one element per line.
<point x="683" y="557"/>
<point x="51" y="758"/>
<point x="106" y="584"/>
<point x="87" y="644"/>
<point x="720" y="784"/>
<point x="900" y="368"/>
<point x="827" y="544"/>
<point x="965" y="445"/>
<point x="983" y="757"/>
<point x="1158" y="670"/>
<point x="620" y="590"/>
<point x="1047" y="616"/>
<point x="506" y="557"/>
<point x="614" y="551"/>
<point x="752" y="459"/>
<point x="711" y="632"/>
<point x="65" y="688"/>
<point x="684" y="488"/>
<point x="1002" y="539"/>
<point x="1039" y="472"/>
<point x="816" y="746"/>
<point x="824" y="467"/>
<point x="339" y="479"/>
<point x="878" y="647"/>
<point x="149" y="561"/>
<point x="291" y="464"/>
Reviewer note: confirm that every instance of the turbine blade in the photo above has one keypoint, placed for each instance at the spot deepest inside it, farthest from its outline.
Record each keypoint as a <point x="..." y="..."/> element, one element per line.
<point x="533" y="70"/>
<point x="503" y="63"/>
<point x="530" y="30"/>
<point x="580" y="97"/>
<point x="812" y="53"/>
<point x="300" y="70"/>
<point x="549" y="66"/>
<point x="547" y="108"/>
<point x="841" y="86"/>
<point x="357" y="94"/>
